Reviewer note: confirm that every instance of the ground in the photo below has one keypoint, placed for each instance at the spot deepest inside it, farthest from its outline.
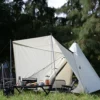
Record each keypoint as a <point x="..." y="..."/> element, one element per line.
<point x="30" y="95"/>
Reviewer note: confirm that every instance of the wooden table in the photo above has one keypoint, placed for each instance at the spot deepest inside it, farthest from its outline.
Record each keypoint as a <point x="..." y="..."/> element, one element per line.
<point x="44" y="88"/>
<point x="29" y="80"/>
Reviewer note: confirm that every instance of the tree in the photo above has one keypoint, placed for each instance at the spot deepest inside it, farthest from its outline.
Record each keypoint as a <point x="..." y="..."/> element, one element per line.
<point x="83" y="17"/>
<point x="43" y="16"/>
<point x="16" y="23"/>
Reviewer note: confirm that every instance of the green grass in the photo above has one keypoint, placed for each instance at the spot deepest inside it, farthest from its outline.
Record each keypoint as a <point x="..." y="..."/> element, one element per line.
<point x="30" y="95"/>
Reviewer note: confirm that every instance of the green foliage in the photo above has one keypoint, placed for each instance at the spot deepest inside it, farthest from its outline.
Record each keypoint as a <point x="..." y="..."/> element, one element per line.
<point x="83" y="19"/>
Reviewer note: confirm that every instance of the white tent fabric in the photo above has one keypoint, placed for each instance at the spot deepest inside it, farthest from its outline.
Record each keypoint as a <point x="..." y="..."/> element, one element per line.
<point x="45" y="56"/>
<point x="31" y="58"/>
<point x="71" y="60"/>
<point x="89" y="78"/>
<point x="66" y="77"/>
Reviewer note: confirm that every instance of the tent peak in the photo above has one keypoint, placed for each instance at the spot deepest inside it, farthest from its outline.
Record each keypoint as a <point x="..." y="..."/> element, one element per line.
<point x="75" y="48"/>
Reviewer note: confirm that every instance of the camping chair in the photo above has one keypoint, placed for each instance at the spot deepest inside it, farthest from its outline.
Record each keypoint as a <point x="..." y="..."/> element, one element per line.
<point x="68" y="88"/>
<point x="8" y="88"/>
<point x="57" y="85"/>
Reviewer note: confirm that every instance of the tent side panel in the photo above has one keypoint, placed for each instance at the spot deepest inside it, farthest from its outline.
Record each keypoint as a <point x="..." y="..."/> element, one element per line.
<point x="89" y="77"/>
<point x="49" y="71"/>
<point x="29" y="61"/>
<point x="65" y="74"/>
<point x="71" y="60"/>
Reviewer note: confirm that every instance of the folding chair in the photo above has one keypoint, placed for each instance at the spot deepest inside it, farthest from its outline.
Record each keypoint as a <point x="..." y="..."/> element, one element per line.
<point x="68" y="88"/>
<point x="8" y="88"/>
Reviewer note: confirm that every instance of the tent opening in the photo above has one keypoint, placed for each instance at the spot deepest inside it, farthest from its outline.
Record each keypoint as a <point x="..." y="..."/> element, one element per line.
<point x="66" y="77"/>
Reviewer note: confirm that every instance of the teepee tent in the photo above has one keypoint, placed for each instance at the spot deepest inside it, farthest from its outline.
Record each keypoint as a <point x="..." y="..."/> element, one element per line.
<point x="88" y="76"/>
<point x="44" y="57"/>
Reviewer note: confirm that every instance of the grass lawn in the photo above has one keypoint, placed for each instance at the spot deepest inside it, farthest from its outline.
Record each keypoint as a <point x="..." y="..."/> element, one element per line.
<point x="30" y="95"/>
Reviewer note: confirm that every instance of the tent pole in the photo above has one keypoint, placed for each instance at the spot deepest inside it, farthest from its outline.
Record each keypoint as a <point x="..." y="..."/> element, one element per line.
<point x="53" y="51"/>
<point x="2" y="76"/>
<point x="53" y="60"/>
<point x="10" y="61"/>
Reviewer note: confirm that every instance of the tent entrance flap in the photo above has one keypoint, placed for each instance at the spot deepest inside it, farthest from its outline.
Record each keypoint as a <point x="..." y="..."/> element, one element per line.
<point x="65" y="74"/>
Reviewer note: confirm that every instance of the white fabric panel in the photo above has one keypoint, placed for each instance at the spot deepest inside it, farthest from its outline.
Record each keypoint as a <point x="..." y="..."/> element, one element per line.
<point x="65" y="74"/>
<point x="32" y="55"/>
<point x="71" y="60"/>
<point x="49" y="69"/>
<point x="43" y="43"/>
<point x="58" y="67"/>
<point x="29" y="61"/>
<point x="35" y="42"/>
<point x="88" y="76"/>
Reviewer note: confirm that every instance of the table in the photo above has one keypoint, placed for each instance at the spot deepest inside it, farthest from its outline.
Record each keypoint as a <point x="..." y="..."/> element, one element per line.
<point x="29" y="80"/>
<point x="47" y="91"/>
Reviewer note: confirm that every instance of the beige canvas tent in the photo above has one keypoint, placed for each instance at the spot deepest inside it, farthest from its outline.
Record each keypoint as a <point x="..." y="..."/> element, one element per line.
<point x="44" y="57"/>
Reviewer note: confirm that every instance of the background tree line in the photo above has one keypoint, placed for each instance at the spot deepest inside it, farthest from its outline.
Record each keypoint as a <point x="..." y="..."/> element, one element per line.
<point x="21" y="20"/>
